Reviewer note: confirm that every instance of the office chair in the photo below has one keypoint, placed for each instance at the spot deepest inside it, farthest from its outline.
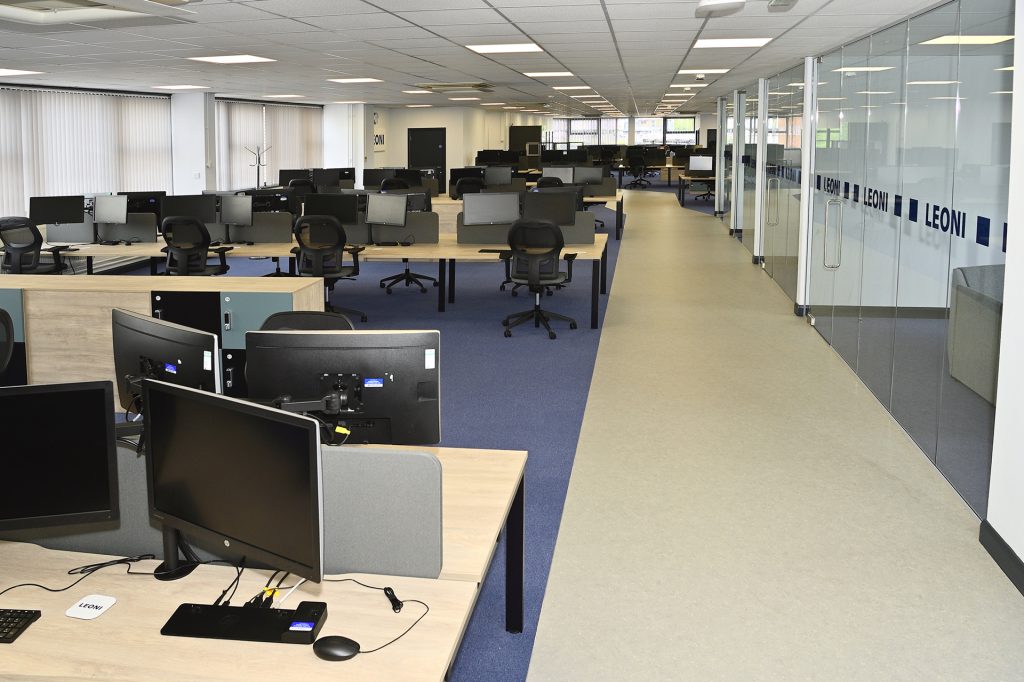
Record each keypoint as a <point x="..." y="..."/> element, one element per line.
<point x="391" y="184"/>
<point x="23" y="245"/>
<point x="468" y="186"/>
<point x="320" y="253"/>
<point x="534" y="248"/>
<point x="301" y="187"/>
<point x="6" y="339"/>
<point x="549" y="181"/>
<point x="188" y="247"/>
<point x="638" y="169"/>
<point x="306" y="320"/>
<point x="709" y="191"/>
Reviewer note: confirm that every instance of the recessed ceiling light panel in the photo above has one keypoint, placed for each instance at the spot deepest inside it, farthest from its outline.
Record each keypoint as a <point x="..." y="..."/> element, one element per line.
<point x="967" y="40"/>
<point x="355" y="80"/>
<point x="233" y="59"/>
<point x="18" y="72"/>
<point x="548" y="74"/>
<point x="505" y="48"/>
<point x="731" y="42"/>
<point x="181" y="87"/>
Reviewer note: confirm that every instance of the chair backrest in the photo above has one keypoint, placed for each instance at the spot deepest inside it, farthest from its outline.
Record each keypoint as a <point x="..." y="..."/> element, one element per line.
<point x="301" y="186"/>
<point x="22" y="244"/>
<point x="468" y="186"/>
<point x="6" y="339"/>
<point x="307" y="320"/>
<point x="549" y="181"/>
<point x="637" y="164"/>
<point x="187" y="241"/>
<point x="536" y="246"/>
<point x="321" y="241"/>
<point x="388" y="184"/>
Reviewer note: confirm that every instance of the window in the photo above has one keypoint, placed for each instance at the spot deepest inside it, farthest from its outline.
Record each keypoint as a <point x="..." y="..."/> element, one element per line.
<point x="682" y="130"/>
<point x="556" y="132"/>
<point x="66" y="143"/>
<point x="289" y="136"/>
<point x="648" y="131"/>
<point x="584" y="131"/>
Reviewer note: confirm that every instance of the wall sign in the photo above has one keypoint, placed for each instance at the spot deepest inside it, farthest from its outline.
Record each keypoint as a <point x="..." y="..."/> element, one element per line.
<point x="378" y="133"/>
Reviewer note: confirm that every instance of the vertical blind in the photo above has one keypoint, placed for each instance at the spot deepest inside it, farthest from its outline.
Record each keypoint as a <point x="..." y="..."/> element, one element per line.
<point x="292" y="134"/>
<point x="65" y="143"/>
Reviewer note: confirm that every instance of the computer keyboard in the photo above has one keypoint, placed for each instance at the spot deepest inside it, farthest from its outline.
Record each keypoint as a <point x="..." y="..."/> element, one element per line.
<point x="13" y="622"/>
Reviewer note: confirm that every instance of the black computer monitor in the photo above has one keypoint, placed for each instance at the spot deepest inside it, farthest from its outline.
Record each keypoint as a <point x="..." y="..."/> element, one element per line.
<point x="498" y="175"/>
<point x="110" y="209"/>
<point x="384" y="386"/>
<point x="412" y="176"/>
<point x="273" y="201"/>
<point x="552" y="155"/>
<point x="144" y="202"/>
<point x="58" y="476"/>
<point x="242" y="479"/>
<point x="344" y="207"/>
<point x="326" y="177"/>
<point x="56" y="210"/>
<point x="286" y="176"/>
<point x="492" y="208"/>
<point x="488" y="156"/>
<point x="203" y="207"/>
<point x="148" y="348"/>
<point x="577" y="155"/>
<point x="372" y="177"/>
<point x="346" y="173"/>
<point x="558" y="207"/>
<point x="236" y="209"/>
<point x="587" y="175"/>
<point x="386" y="209"/>
<point x="508" y="156"/>
<point x="417" y="202"/>
<point x="456" y="174"/>
<point x="563" y="173"/>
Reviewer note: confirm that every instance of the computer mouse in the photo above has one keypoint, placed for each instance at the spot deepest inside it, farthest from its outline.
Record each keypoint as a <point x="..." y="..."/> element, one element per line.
<point x="335" y="648"/>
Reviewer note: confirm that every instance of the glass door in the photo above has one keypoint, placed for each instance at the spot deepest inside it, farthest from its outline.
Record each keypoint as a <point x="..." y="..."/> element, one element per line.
<point x="748" y="183"/>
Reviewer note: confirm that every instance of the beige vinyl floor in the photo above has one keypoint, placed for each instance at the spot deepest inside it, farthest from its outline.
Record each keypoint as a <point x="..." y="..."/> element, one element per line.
<point x="742" y="508"/>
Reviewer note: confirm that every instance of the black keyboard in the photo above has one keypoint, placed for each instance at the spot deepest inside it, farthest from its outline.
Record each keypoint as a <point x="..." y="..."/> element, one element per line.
<point x="13" y="622"/>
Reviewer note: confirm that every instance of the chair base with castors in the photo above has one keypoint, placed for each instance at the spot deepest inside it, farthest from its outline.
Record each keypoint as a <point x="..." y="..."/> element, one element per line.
<point x="539" y="317"/>
<point x="351" y="312"/>
<point x="408" y="278"/>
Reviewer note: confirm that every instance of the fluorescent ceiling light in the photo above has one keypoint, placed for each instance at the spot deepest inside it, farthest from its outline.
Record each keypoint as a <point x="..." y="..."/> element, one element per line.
<point x="418" y="106"/>
<point x="1003" y="92"/>
<point x="584" y="96"/>
<point x="351" y="101"/>
<point x="874" y="92"/>
<point x="491" y="104"/>
<point x="694" y="72"/>
<point x="731" y="42"/>
<point x="283" y="96"/>
<point x="511" y="107"/>
<point x="869" y="106"/>
<point x="861" y="69"/>
<point x="689" y="85"/>
<point x="418" y="92"/>
<point x="181" y="87"/>
<point x="233" y="59"/>
<point x="506" y="47"/>
<point x="464" y="99"/>
<point x="956" y="98"/>
<point x="831" y="99"/>
<point x="18" y="72"/>
<point x="933" y="82"/>
<point x="1005" y="68"/>
<point x="548" y="74"/>
<point x="798" y="85"/>
<point x="571" y="87"/>
<point x="781" y="92"/>
<point x="355" y="80"/>
<point x="967" y="40"/>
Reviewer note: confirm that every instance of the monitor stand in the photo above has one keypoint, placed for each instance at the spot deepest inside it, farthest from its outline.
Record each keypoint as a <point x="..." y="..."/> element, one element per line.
<point x="173" y="566"/>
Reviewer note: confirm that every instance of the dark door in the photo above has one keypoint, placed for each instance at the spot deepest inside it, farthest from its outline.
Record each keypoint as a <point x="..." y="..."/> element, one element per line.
<point x="427" y="150"/>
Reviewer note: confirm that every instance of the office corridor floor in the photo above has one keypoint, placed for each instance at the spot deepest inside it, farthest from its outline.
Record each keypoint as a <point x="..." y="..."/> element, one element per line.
<point x="742" y="508"/>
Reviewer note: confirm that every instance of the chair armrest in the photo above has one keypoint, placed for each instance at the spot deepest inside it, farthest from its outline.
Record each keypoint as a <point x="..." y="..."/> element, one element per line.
<point x="55" y="250"/>
<point x="569" y="258"/>
<point x="505" y="255"/>
<point x="221" y="250"/>
<point x="354" y="250"/>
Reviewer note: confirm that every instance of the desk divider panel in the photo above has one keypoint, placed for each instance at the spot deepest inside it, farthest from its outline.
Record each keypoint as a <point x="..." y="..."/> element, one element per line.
<point x="10" y="300"/>
<point x="16" y="373"/>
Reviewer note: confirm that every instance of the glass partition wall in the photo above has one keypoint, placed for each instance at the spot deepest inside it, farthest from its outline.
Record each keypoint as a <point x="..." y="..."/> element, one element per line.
<point x="908" y="233"/>
<point x="748" y="160"/>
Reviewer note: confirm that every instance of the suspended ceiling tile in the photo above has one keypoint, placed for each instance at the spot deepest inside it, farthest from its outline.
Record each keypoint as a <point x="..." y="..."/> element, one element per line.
<point x="313" y="8"/>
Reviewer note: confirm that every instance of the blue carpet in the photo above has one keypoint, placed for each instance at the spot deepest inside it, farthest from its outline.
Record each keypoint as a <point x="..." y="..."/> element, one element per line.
<point x="522" y="393"/>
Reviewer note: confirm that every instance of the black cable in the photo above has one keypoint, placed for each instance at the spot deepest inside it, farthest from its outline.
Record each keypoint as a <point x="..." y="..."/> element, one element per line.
<point x="127" y="441"/>
<point x="85" y="572"/>
<point x="396" y="606"/>
<point x="414" y="624"/>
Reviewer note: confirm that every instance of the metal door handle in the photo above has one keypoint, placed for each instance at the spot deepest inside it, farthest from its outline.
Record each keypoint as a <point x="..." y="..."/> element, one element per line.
<point x="768" y="201"/>
<point x="824" y="240"/>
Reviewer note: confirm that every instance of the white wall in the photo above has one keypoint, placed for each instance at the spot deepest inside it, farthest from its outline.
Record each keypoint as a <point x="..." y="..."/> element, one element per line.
<point x="193" y="143"/>
<point x="1006" y="487"/>
<point x="343" y="135"/>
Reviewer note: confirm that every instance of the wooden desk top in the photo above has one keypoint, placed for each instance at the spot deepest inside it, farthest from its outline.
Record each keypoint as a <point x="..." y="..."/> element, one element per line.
<point x="478" y="487"/>
<point x="448" y="247"/>
<point x="125" y="645"/>
<point x="146" y="283"/>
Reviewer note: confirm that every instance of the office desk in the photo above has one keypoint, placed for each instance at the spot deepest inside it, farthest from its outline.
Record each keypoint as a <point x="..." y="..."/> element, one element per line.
<point x="614" y="203"/>
<point x="685" y="180"/>
<point x="124" y="644"/>
<point x="448" y="251"/>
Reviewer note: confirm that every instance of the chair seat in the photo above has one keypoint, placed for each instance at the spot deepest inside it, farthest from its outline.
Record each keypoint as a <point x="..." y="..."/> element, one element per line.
<point x="547" y="281"/>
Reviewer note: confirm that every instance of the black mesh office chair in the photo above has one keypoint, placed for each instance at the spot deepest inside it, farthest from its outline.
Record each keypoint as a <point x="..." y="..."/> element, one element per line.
<point x="391" y="184"/>
<point x="638" y="169"/>
<point x="301" y="187"/>
<point x="320" y="253"/>
<point x="534" y="248"/>
<point x="6" y="339"/>
<point x="188" y="247"/>
<point x="549" y="181"/>
<point x="468" y="186"/>
<point x="23" y="246"/>
<point x="313" y="320"/>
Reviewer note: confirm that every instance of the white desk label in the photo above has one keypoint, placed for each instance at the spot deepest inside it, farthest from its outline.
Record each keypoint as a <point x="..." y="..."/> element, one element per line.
<point x="90" y="607"/>
<point x="429" y="358"/>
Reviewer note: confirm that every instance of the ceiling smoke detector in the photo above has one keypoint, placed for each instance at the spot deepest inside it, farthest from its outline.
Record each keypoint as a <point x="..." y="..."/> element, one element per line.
<point x="718" y="8"/>
<point x="452" y="88"/>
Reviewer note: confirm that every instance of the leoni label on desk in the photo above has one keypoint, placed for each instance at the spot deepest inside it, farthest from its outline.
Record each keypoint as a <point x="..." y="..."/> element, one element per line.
<point x="90" y="607"/>
<point x="429" y="358"/>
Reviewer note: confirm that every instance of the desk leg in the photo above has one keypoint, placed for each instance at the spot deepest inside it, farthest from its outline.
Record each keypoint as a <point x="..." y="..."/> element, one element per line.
<point x="604" y="270"/>
<point x="595" y="286"/>
<point x="152" y="265"/>
<point x="451" y="280"/>
<point x="88" y="265"/>
<point x="619" y="215"/>
<point x="442" y="286"/>
<point x="682" y="193"/>
<point x="669" y="177"/>
<point x="291" y="266"/>
<point x="514" y="531"/>
<point x="621" y="171"/>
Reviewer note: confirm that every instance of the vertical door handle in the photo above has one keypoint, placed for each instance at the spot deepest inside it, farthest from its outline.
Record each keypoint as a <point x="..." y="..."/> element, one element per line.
<point x="769" y="204"/>
<point x="824" y="240"/>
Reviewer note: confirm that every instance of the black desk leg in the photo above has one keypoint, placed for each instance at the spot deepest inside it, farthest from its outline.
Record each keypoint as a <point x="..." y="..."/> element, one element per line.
<point x="152" y="265"/>
<point x="291" y="266"/>
<point x="595" y="286"/>
<point x="619" y="216"/>
<point x="451" y="280"/>
<point x="514" y="532"/>
<point x="682" y="193"/>
<point x="604" y="270"/>
<point x="442" y="286"/>
<point x="621" y="171"/>
<point x="88" y="265"/>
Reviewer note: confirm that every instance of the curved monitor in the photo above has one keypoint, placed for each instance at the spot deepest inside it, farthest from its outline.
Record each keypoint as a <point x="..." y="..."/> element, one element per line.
<point x="58" y="476"/>
<point x="148" y="348"/>
<point x="383" y="386"/>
